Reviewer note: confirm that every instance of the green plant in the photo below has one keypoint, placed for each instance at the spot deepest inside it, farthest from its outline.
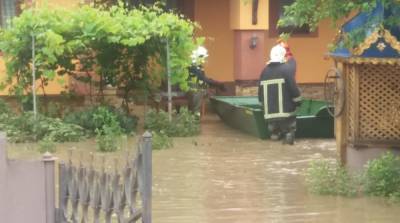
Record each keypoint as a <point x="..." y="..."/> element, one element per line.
<point x="47" y="145"/>
<point x="25" y="128"/>
<point x="161" y="140"/>
<point x="184" y="123"/>
<point x="107" y="136"/>
<point x="121" y="42"/>
<point x="382" y="176"/>
<point x="4" y="107"/>
<point x="95" y="117"/>
<point x="157" y="121"/>
<point x="326" y="178"/>
<point x="107" y="140"/>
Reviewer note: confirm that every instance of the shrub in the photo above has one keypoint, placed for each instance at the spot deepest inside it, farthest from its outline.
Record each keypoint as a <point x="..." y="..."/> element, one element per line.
<point x="25" y="128"/>
<point x="4" y="107"/>
<point x="47" y="145"/>
<point x="107" y="136"/>
<point x="326" y="178"/>
<point x="157" y="121"/>
<point x="107" y="139"/>
<point x="95" y="117"/>
<point x="382" y="176"/>
<point x="161" y="141"/>
<point x="184" y="123"/>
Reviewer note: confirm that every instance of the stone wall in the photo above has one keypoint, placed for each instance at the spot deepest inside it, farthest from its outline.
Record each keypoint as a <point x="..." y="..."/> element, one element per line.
<point x="309" y="91"/>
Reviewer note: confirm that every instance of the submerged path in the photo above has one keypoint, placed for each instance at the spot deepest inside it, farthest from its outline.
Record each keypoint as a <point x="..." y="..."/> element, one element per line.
<point x="224" y="176"/>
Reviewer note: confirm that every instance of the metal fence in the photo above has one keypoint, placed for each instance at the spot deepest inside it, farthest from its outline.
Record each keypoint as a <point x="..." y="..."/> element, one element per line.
<point x="90" y="195"/>
<point x="27" y="190"/>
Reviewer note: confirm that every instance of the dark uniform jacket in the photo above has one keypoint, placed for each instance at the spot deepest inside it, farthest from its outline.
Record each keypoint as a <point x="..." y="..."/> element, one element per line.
<point x="198" y="73"/>
<point x="278" y="92"/>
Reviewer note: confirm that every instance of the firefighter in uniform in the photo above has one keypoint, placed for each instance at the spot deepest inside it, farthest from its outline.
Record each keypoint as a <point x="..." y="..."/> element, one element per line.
<point x="199" y="81"/>
<point x="280" y="96"/>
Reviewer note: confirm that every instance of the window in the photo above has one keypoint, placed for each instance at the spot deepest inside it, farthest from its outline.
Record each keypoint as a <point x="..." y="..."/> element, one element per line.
<point x="8" y="10"/>
<point x="276" y="8"/>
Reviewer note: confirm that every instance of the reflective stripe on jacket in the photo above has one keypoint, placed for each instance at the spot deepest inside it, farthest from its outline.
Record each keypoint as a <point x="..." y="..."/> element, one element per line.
<point x="278" y="92"/>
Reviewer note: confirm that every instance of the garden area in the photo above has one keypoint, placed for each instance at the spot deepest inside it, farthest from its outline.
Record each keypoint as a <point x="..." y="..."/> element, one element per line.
<point x="220" y="175"/>
<point x="101" y="47"/>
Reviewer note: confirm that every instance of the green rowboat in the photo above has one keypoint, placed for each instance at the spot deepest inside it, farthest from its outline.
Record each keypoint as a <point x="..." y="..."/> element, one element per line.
<point x="246" y="113"/>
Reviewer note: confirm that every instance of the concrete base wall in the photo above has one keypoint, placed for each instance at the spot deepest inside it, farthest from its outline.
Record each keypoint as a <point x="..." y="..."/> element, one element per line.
<point x="309" y="91"/>
<point x="356" y="159"/>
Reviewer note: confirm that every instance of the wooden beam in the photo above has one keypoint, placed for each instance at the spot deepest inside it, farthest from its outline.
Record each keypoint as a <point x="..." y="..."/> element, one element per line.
<point x="255" y="12"/>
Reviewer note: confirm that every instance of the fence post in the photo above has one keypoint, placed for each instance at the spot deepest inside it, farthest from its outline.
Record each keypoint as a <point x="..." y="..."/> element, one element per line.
<point x="3" y="175"/>
<point x="49" y="165"/>
<point x="147" y="176"/>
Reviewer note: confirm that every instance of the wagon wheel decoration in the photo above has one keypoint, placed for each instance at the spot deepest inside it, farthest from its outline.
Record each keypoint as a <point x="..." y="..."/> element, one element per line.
<point x="334" y="92"/>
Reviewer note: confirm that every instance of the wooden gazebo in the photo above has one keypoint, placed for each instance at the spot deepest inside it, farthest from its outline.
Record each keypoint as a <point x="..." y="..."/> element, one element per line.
<point x="367" y="83"/>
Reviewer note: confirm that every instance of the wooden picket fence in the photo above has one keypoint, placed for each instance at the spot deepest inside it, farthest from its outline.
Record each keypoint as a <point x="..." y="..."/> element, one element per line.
<point x="90" y="195"/>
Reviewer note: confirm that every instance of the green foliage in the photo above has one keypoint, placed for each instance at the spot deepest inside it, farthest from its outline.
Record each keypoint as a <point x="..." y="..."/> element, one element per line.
<point x="47" y="145"/>
<point x="95" y="117"/>
<point x="107" y="138"/>
<point x="24" y="128"/>
<point x="382" y="176"/>
<point x="184" y="123"/>
<point x="326" y="178"/>
<point x="312" y="12"/>
<point x="4" y="107"/>
<point x="121" y="43"/>
<point x="109" y="132"/>
<point x="161" y="140"/>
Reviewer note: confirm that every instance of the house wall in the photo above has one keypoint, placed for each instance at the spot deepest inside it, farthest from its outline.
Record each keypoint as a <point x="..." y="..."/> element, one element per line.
<point x="214" y="18"/>
<point x="241" y="15"/>
<point x="310" y="53"/>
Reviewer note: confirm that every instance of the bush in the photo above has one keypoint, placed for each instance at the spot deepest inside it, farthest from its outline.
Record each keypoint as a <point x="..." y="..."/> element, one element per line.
<point x="183" y="124"/>
<point x="107" y="139"/>
<point x="4" y="107"/>
<point x="25" y="128"/>
<point x="326" y="178"/>
<point x="161" y="141"/>
<point x="108" y="134"/>
<point x="382" y="176"/>
<point x="95" y="117"/>
<point x="47" y="145"/>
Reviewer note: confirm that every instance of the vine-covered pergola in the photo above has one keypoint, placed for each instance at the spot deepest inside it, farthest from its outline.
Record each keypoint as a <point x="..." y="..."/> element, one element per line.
<point x="125" y="48"/>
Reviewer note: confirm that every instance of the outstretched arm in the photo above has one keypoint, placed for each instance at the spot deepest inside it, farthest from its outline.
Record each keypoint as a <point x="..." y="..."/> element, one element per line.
<point x="200" y="75"/>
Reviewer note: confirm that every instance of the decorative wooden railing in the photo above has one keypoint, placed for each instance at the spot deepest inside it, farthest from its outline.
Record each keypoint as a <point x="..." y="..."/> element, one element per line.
<point x="89" y="195"/>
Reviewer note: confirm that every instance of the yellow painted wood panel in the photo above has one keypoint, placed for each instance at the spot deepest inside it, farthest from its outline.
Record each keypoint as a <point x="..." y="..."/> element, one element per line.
<point x="241" y="15"/>
<point x="214" y="16"/>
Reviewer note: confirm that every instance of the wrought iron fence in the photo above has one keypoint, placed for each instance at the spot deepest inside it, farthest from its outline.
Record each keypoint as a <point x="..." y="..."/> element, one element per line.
<point x="90" y="195"/>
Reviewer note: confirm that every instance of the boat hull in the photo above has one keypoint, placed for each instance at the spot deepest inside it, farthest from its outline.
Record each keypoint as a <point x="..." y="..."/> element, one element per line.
<point x="245" y="113"/>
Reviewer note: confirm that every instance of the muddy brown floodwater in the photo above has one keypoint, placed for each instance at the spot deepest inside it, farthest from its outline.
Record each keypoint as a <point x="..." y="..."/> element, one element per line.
<point x="225" y="176"/>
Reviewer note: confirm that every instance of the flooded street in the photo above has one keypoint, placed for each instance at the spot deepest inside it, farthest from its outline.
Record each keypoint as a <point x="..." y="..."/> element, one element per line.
<point x="225" y="176"/>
